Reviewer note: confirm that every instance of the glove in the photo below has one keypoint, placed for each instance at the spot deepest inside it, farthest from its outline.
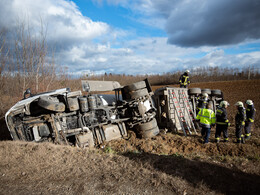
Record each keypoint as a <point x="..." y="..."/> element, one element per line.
<point x="228" y="124"/>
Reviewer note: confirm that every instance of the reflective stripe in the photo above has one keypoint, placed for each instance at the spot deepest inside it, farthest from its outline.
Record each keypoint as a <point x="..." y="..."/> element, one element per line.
<point x="251" y="120"/>
<point x="205" y="125"/>
<point x="220" y="111"/>
<point x="226" y="138"/>
<point x="217" y="138"/>
<point x="248" y="134"/>
<point x="185" y="81"/>
<point x="226" y="121"/>
<point x="206" y="116"/>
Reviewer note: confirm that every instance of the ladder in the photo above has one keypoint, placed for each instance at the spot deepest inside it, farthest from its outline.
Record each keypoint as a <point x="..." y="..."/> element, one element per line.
<point x="188" y="109"/>
<point x="174" y="105"/>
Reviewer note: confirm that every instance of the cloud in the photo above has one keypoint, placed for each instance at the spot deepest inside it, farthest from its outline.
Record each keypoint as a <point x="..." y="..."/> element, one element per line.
<point x="200" y="23"/>
<point x="211" y="23"/>
<point x="64" y="22"/>
<point x="151" y="56"/>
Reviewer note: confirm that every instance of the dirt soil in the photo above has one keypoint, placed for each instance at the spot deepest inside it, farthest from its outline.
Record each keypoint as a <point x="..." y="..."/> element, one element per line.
<point x="166" y="164"/>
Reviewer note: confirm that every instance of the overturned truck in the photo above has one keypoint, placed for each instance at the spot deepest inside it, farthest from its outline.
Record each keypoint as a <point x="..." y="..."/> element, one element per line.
<point x="66" y="117"/>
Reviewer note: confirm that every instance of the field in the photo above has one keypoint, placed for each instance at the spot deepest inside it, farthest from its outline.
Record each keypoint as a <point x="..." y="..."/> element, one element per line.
<point x="166" y="164"/>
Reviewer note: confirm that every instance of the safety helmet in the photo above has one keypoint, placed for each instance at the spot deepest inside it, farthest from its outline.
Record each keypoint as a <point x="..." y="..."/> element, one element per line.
<point x="205" y="95"/>
<point x="223" y="103"/>
<point x="187" y="71"/>
<point x="249" y="102"/>
<point x="239" y="104"/>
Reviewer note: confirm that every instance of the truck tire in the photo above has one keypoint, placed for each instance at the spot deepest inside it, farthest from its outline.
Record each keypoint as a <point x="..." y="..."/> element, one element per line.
<point x="135" y="86"/>
<point x="138" y="93"/>
<point x="51" y="103"/>
<point x="146" y="126"/>
<point x="216" y="92"/>
<point x="194" y="91"/>
<point x="208" y="91"/>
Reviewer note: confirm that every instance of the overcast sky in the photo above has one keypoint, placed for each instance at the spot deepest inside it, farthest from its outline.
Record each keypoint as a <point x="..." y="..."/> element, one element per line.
<point x="143" y="36"/>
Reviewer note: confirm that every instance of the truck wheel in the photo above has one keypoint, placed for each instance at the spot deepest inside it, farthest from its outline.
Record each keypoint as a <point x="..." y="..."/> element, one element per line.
<point x="216" y="92"/>
<point x="208" y="91"/>
<point x="51" y="103"/>
<point x="146" y="126"/>
<point x="194" y="91"/>
<point x="138" y="93"/>
<point x="135" y="86"/>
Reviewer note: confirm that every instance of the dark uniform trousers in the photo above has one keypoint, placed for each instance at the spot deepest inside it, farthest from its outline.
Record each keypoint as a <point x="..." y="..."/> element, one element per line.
<point x="248" y="128"/>
<point x="220" y="129"/>
<point x="239" y="129"/>
<point x="250" y="116"/>
<point x="222" y="124"/>
<point x="240" y="123"/>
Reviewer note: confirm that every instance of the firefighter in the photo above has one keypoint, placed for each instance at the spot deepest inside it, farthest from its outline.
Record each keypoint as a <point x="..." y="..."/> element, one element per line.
<point x="202" y="102"/>
<point x="207" y="119"/>
<point x="222" y="122"/>
<point x="240" y="121"/>
<point x="184" y="79"/>
<point x="250" y="116"/>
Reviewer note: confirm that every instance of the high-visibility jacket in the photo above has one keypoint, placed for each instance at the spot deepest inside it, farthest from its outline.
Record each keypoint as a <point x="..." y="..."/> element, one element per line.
<point x="250" y="113"/>
<point x="184" y="79"/>
<point x="240" y="116"/>
<point x="207" y="117"/>
<point x="221" y="116"/>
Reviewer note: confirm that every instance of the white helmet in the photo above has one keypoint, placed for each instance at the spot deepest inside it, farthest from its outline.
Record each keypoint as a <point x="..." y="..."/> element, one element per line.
<point x="239" y="104"/>
<point x="187" y="71"/>
<point x="205" y="95"/>
<point x="223" y="103"/>
<point x="249" y="102"/>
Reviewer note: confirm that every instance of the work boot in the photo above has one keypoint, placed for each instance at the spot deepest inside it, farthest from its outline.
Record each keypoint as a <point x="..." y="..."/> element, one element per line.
<point x="247" y="137"/>
<point x="238" y="141"/>
<point x="217" y="140"/>
<point x="225" y="140"/>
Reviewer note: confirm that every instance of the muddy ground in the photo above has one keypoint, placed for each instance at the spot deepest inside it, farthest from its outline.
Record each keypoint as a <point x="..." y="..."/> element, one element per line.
<point x="166" y="164"/>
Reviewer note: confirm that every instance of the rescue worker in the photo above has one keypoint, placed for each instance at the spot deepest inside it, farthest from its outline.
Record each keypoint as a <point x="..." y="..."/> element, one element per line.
<point x="222" y="122"/>
<point x="184" y="79"/>
<point x="202" y="102"/>
<point x="240" y="121"/>
<point x="250" y="116"/>
<point x="207" y="119"/>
